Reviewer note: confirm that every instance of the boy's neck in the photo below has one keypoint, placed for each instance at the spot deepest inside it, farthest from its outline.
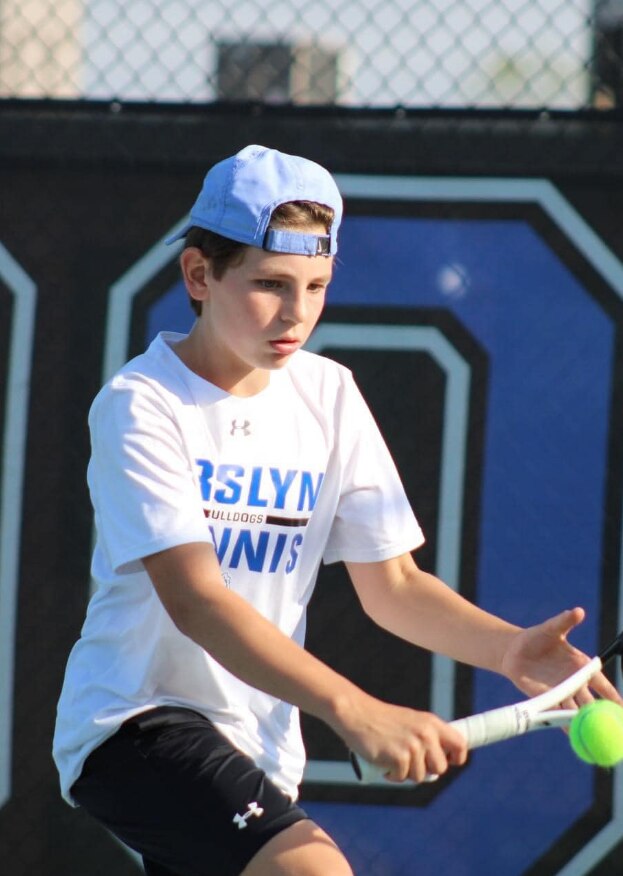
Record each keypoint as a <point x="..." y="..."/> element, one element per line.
<point x="243" y="382"/>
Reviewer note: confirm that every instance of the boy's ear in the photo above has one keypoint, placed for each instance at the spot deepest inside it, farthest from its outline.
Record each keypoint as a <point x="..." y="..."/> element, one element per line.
<point x="195" y="270"/>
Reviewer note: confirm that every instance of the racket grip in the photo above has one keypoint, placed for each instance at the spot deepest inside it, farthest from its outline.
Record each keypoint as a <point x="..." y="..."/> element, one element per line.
<point x="494" y="725"/>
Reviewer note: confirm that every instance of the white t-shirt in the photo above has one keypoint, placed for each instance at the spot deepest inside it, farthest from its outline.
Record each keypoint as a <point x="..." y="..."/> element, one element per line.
<point x="275" y="482"/>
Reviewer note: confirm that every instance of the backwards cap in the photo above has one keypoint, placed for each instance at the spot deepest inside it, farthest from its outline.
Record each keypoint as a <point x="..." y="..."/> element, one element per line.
<point x="240" y="193"/>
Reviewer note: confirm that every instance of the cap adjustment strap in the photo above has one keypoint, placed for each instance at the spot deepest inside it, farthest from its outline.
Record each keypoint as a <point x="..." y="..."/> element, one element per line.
<point x="297" y="243"/>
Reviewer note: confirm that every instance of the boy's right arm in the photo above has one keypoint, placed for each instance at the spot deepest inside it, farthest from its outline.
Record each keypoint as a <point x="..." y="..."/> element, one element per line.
<point x="188" y="581"/>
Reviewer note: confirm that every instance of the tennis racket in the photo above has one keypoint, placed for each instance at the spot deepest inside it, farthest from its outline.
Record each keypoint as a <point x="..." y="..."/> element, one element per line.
<point x="536" y="713"/>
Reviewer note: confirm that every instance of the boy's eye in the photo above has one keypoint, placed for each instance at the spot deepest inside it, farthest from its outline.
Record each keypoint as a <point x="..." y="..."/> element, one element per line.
<point x="269" y="284"/>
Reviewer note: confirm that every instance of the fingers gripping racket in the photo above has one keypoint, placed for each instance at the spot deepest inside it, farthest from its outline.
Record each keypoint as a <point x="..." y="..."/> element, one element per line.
<point x="537" y="713"/>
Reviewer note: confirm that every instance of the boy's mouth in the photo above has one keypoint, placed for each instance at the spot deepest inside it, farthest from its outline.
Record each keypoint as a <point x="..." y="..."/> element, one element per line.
<point x="285" y="345"/>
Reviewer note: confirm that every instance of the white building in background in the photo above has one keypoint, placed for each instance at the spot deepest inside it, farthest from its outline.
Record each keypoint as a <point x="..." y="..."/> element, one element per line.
<point x="522" y="53"/>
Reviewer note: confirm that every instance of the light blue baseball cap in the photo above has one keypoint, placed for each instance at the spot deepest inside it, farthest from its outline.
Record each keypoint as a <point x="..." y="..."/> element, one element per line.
<point x="240" y="193"/>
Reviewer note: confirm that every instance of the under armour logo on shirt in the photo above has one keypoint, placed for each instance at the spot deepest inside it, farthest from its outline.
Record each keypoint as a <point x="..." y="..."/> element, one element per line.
<point x="253" y="810"/>
<point x="245" y="427"/>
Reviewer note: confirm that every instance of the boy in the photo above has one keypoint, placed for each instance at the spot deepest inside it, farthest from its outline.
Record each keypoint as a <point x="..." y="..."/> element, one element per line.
<point x="226" y="464"/>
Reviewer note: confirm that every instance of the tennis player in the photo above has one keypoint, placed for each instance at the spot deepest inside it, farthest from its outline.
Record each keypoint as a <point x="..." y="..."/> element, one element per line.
<point x="226" y="465"/>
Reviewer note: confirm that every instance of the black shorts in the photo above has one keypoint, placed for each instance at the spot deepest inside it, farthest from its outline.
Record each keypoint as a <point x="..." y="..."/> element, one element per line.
<point x="175" y="790"/>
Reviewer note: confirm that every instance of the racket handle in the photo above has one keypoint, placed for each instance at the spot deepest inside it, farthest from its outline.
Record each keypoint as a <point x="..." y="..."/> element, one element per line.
<point x="494" y="725"/>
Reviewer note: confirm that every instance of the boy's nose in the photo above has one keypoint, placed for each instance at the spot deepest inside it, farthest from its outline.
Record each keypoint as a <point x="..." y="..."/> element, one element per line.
<point x="294" y="307"/>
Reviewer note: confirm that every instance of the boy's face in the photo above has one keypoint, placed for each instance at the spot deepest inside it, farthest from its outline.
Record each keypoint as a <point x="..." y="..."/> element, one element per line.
<point x="260" y="312"/>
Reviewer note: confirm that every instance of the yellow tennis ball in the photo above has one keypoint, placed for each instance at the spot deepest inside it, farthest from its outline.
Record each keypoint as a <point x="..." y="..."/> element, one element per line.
<point x="596" y="733"/>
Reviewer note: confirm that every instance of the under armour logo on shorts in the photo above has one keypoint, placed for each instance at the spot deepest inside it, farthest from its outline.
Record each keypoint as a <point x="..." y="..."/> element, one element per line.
<point x="253" y="810"/>
<point x="245" y="427"/>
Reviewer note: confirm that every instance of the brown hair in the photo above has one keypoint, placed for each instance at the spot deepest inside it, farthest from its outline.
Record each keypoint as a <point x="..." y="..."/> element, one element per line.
<point x="225" y="253"/>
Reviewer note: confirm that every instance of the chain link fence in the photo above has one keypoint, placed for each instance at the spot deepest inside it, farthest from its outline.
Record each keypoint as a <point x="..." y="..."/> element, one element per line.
<point x="549" y="54"/>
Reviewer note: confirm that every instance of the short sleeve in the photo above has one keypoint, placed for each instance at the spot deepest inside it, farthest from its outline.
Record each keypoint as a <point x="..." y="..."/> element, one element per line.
<point x="374" y="520"/>
<point x="143" y="486"/>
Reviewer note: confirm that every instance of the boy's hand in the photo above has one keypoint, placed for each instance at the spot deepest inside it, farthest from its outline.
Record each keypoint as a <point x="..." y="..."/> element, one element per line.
<point x="408" y="743"/>
<point x="539" y="657"/>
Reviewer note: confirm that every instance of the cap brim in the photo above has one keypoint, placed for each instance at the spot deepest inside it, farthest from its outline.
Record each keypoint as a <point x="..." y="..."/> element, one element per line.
<point x="178" y="235"/>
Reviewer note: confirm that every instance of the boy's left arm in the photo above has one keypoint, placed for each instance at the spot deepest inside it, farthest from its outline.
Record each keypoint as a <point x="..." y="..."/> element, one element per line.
<point x="420" y="608"/>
